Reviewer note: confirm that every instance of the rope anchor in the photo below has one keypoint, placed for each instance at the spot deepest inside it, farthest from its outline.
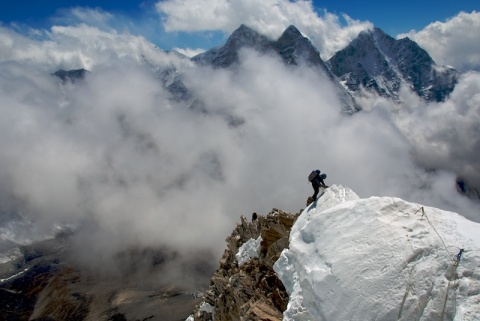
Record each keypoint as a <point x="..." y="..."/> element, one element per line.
<point x="456" y="261"/>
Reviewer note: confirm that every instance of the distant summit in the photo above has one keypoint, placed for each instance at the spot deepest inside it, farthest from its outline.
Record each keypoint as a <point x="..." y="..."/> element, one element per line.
<point x="377" y="62"/>
<point x="293" y="47"/>
<point x="226" y="55"/>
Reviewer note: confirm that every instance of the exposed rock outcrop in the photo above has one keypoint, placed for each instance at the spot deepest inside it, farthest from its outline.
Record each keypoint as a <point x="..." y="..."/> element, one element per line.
<point x="249" y="291"/>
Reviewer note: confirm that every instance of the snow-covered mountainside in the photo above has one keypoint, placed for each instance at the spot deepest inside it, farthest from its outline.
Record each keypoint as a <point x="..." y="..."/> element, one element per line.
<point x="380" y="258"/>
<point x="375" y="61"/>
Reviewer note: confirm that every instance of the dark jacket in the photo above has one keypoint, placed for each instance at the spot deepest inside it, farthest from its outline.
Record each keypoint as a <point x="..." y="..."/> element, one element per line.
<point x="318" y="181"/>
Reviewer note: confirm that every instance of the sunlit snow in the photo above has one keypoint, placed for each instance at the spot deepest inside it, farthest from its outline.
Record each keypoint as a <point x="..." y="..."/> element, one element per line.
<point x="380" y="258"/>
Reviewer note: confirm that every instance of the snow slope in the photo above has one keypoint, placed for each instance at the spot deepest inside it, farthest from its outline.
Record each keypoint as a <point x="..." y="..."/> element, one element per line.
<point x="380" y="258"/>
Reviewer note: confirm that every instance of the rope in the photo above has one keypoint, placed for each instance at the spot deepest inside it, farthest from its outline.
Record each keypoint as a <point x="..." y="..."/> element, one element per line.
<point x="428" y="220"/>
<point x="456" y="262"/>
<point x="454" y="273"/>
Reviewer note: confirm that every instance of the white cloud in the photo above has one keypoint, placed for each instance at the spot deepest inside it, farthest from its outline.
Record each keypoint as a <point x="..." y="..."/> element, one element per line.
<point x="80" y="46"/>
<point x="446" y="135"/>
<point x="189" y="52"/>
<point x="454" y="42"/>
<point x="92" y="17"/>
<point x="269" y="17"/>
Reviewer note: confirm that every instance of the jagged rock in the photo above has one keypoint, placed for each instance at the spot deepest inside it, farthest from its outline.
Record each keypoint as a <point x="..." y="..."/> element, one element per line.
<point x="310" y="200"/>
<point x="251" y="291"/>
<point x="262" y="311"/>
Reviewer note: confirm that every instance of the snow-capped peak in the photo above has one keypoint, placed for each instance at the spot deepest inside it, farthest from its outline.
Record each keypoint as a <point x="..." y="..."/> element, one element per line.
<point x="375" y="61"/>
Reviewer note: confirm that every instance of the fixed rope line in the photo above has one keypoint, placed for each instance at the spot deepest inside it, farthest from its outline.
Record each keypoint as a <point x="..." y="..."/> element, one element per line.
<point x="428" y="220"/>
<point x="455" y="260"/>
<point x="453" y="278"/>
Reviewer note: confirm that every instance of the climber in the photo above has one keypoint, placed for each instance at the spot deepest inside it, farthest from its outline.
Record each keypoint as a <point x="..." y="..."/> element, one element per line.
<point x="317" y="181"/>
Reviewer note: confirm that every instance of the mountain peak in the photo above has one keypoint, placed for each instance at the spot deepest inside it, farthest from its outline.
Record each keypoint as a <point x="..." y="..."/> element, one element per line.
<point x="377" y="62"/>
<point x="245" y="36"/>
<point x="292" y="31"/>
<point x="242" y="37"/>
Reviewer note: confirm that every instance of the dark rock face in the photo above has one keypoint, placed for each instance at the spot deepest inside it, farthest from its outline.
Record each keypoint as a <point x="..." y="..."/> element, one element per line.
<point x="18" y="296"/>
<point x="377" y="62"/>
<point x="227" y="55"/>
<point x="293" y="47"/>
<point x="71" y="75"/>
<point x="251" y="291"/>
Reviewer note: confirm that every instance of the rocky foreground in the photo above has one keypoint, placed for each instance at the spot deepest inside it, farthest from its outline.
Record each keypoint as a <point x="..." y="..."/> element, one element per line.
<point x="251" y="291"/>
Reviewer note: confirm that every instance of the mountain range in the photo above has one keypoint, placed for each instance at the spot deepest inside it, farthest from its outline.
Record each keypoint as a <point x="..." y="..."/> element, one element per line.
<point x="372" y="62"/>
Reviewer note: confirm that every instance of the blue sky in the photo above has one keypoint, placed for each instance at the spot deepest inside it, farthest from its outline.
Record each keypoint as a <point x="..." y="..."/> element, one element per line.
<point x="141" y="17"/>
<point x="396" y="17"/>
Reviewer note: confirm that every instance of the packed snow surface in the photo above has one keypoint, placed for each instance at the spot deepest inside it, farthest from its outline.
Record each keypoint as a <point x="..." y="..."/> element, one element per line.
<point x="248" y="250"/>
<point x="380" y="258"/>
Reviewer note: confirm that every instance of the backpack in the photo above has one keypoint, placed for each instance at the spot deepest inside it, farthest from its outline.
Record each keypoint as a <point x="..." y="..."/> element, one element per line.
<point x="313" y="174"/>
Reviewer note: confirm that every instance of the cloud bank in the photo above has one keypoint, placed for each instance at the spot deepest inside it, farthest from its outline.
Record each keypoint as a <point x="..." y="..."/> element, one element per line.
<point x="118" y="156"/>
<point x="453" y="42"/>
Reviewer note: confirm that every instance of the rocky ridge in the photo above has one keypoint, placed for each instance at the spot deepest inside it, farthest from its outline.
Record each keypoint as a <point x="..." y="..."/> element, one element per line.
<point x="252" y="290"/>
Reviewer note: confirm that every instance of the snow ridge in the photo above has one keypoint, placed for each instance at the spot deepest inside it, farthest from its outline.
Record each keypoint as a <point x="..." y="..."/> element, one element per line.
<point x="380" y="258"/>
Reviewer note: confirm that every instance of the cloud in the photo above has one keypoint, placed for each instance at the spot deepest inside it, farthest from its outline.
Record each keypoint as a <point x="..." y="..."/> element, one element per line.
<point x="271" y="17"/>
<point x="445" y="135"/>
<point x="189" y="52"/>
<point x="118" y="156"/>
<point x="80" y="46"/>
<point x="84" y="15"/>
<point x="453" y="42"/>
